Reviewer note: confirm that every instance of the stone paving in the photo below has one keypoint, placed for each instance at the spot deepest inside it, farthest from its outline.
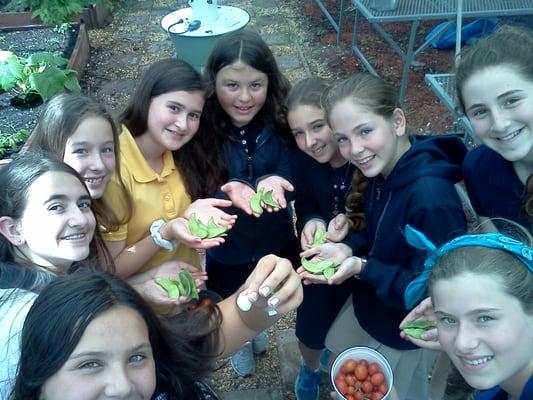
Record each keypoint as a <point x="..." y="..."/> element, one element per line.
<point x="121" y="52"/>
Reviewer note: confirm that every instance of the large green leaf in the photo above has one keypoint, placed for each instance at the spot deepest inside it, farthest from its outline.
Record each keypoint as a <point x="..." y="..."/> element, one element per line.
<point x="10" y="72"/>
<point x="48" y="83"/>
<point x="46" y="59"/>
<point x="71" y="80"/>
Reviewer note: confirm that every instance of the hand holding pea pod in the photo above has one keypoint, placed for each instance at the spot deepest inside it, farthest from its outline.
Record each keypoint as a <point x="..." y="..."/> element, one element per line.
<point x="309" y="232"/>
<point x="422" y="312"/>
<point x="277" y="186"/>
<point x="338" y="228"/>
<point x="178" y="229"/>
<point x="184" y="285"/>
<point x="205" y="209"/>
<point x="205" y="231"/>
<point x="349" y="267"/>
<point x="240" y="195"/>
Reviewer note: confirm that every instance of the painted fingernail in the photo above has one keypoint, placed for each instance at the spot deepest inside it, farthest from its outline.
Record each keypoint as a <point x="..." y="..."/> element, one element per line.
<point x="243" y="303"/>
<point x="265" y="291"/>
<point x="273" y="302"/>
<point x="272" y="312"/>
<point x="252" y="297"/>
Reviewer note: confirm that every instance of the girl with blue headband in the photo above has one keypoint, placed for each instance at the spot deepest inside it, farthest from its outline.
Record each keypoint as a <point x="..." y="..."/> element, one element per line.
<point x="481" y="289"/>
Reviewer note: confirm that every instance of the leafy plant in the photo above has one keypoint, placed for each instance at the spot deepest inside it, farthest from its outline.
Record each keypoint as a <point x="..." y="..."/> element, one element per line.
<point x="54" y="11"/>
<point x="9" y="142"/>
<point x="39" y="73"/>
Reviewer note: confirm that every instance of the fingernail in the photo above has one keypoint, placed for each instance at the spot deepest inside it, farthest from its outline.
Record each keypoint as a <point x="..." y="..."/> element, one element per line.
<point x="272" y="312"/>
<point x="252" y="297"/>
<point x="273" y="302"/>
<point x="265" y="291"/>
<point x="243" y="303"/>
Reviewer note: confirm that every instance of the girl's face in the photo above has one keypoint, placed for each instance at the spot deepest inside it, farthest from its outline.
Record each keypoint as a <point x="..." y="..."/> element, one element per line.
<point x="313" y="135"/>
<point x="174" y="118"/>
<point x="90" y="150"/>
<point x="57" y="225"/>
<point x="366" y="139"/>
<point x="113" y="360"/>
<point x="241" y="91"/>
<point x="499" y="104"/>
<point x="484" y="330"/>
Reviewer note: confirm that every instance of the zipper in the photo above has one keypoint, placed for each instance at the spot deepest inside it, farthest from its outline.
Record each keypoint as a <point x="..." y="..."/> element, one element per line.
<point x="250" y="167"/>
<point x="379" y="222"/>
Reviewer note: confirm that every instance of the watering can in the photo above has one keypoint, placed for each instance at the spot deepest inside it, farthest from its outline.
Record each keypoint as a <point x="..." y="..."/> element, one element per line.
<point x="204" y="10"/>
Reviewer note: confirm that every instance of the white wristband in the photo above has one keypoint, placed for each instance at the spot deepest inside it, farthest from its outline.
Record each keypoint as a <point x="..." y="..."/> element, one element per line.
<point x="168" y="245"/>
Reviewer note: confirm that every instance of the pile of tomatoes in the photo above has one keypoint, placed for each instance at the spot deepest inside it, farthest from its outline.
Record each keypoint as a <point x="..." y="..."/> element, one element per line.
<point x="361" y="380"/>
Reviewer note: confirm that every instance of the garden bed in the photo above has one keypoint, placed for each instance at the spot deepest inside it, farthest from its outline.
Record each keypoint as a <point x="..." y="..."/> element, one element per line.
<point x="71" y="44"/>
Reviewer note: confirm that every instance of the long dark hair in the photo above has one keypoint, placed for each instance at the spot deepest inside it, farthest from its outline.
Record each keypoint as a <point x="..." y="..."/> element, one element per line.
<point x="183" y="348"/>
<point x="162" y="77"/>
<point x="507" y="46"/>
<point x="17" y="178"/>
<point x="61" y="117"/>
<point x="249" y="48"/>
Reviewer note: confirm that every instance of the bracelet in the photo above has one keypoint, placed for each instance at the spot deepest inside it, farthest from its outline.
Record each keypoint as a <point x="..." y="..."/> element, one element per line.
<point x="168" y="245"/>
<point x="363" y="265"/>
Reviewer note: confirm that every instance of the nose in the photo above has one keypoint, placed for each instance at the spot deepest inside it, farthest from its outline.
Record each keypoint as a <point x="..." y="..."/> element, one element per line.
<point x="356" y="146"/>
<point x="181" y="121"/>
<point x="77" y="217"/>
<point x="96" y="163"/>
<point x="466" y="339"/>
<point x="500" y="122"/>
<point x="309" y="140"/>
<point x="244" y="94"/>
<point x="118" y="384"/>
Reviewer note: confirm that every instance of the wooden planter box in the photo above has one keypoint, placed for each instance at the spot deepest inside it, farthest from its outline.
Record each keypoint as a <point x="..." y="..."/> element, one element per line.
<point x="94" y="17"/>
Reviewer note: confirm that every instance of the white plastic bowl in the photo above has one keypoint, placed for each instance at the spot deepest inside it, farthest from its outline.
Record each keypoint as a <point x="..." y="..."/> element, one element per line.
<point x="359" y="353"/>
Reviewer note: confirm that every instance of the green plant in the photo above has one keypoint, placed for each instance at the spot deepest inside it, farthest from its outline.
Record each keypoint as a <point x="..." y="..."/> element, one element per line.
<point x="52" y="11"/>
<point x="39" y="73"/>
<point x="9" y="142"/>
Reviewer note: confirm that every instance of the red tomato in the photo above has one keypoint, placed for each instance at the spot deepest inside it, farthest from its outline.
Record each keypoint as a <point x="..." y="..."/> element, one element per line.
<point x="361" y="372"/>
<point x="339" y="378"/>
<point x="350" y="390"/>
<point x="358" y="396"/>
<point x="367" y="387"/>
<point x="349" y="366"/>
<point x="376" y="396"/>
<point x="349" y="397"/>
<point x="364" y="362"/>
<point x="373" y="368"/>
<point x="377" y="379"/>
<point x="342" y="387"/>
<point x="350" y="380"/>
<point x="383" y="389"/>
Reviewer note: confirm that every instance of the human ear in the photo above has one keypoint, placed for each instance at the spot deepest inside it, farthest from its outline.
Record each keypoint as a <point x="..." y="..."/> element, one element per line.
<point x="10" y="230"/>
<point x="398" y="122"/>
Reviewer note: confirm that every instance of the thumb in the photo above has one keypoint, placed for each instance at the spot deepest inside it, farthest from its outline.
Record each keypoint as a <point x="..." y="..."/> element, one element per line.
<point x="286" y="185"/>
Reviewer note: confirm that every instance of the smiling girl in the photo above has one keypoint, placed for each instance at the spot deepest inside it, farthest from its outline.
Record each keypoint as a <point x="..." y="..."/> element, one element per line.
<point x="408" y="180"/>
<point x="47" y="228"/>
<point x="495" y="90"/>
<point x="481" y="287"/>
<point x="162" y="167"/>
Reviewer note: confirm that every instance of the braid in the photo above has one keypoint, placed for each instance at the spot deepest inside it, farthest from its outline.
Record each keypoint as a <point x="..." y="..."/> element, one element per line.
<point x="528" y="204"/>
<point x="355" y="203"/>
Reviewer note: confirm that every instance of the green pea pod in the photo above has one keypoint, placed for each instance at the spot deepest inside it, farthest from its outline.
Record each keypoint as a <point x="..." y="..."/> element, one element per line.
<point x="414" y="332"/>
<point x="316" y="267"/>
<point x="183" y="290"/>
<point x="211" y="224"/>
<point x="255" y="203"/>
<point x="196" y="227"/>
<point x="170" y="286"/>
<point x="329" y="272"/>
<point x="269" y="201"/>
<point x="420" y="324"/>
<point x="185" y="284"/>
<point x="213" y="230"/>
<point x="187" y="276"/>
<point x="319" y="238"/>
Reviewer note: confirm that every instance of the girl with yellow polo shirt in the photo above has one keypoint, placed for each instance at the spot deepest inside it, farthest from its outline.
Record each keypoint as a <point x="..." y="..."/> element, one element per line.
<point x="159" y="163"/>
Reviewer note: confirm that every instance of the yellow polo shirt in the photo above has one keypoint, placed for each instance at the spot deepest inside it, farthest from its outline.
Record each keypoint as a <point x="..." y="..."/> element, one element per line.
<point x="154" y="196"/>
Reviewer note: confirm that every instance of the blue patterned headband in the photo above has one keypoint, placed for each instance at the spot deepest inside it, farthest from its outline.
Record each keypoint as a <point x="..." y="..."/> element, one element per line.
<point x="417" y="288"/>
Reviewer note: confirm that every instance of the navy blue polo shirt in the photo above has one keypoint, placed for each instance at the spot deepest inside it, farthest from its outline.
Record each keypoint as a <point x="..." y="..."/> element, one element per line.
<point x="493" y="186"/>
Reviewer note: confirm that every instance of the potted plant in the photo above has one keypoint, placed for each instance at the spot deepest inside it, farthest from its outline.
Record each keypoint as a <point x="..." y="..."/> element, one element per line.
<point x="36" y="77"/>
<point x="12" y="141"/>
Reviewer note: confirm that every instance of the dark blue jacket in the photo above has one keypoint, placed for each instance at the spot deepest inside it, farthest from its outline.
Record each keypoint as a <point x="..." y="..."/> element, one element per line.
<point x="251" y="238"/>
<point x="315" y="195"/>
<point x="493" y="186"/>
<point x="419" y="191"/>
<point x="499" y="394"/>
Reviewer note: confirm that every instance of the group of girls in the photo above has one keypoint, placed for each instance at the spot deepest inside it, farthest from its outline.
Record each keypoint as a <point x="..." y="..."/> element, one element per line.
<point x="179" y="156"/>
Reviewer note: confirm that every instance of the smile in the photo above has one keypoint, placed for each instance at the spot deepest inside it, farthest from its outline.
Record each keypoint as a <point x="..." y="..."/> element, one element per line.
<point x="94" y="180"/>
<point x="475" y="363"/>
<point x="365" y="160"/>
<point x="244" y="109"/>
<point x="175" y="133"/>
<point x="318" y="150"/>
<point x="75" y="236"/>
<point x="510" y="136"/>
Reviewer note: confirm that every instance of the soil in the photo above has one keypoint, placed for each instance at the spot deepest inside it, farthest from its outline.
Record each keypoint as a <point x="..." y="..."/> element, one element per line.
<point x="425" y="113"/>
<point x="23" y="43"/>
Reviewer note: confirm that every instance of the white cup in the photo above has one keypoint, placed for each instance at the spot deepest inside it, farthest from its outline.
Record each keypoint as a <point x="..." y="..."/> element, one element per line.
<point x="359" y="353"/>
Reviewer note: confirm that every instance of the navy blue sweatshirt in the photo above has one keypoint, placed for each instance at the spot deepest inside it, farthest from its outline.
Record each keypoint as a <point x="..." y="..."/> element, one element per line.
<point x="419" y="191"/>
<point x="252" y="153"/>
<point x="321" y="190"/>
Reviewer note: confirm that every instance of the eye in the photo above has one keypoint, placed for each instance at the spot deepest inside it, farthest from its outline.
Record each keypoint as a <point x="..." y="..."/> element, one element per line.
<point x="318" y="126"/>
<point x="108" y="150"/>
<point x="447" y="321"/>
<point x="194" y="116"/>
<point x="364" y="132"/>
<point x="484" y="319"/>
<point x="80" y="151"/>
<point x="256" y="85"/>
<point x="342" y="140"/>
<point x="84" y="204"/>
<point x="296" y="133"/>
<point x="137" y="358"/>
<point x="88" y="365"/>
<point x="56" y="207"/>
<point x="231" y="85"/>
<point x="173" y="108"/>
<point x="479" y="113"/>
<point x="512" y="101"/>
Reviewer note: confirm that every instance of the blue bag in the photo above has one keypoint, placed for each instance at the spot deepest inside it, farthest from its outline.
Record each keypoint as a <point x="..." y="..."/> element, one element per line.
<point x="470" y="33"/>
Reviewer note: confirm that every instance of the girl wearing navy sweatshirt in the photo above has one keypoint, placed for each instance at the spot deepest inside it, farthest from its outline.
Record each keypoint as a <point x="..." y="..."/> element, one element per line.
<point x="322" y="180"/>
<point x="399" y="181"/>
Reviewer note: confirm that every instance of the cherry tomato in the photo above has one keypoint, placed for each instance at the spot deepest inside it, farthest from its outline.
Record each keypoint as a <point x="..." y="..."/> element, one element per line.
<point x="342" y="387"/>
<point x="349" y="366"/>
<point x="358" y="396"/>
<point x="364" y="362"/>
<point x="367" y="387"/>
<point x="373" y="368"/>
<point x="377" y="379"/>
<point x="383" y="389"/>
<point x="361" y="372"/>
<point x="350" y="390"/>
<point x="376" y="396"/>
<point x="339" y="378"/>
<point x="349" y="397"/>
<point x="350" y="380"/>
